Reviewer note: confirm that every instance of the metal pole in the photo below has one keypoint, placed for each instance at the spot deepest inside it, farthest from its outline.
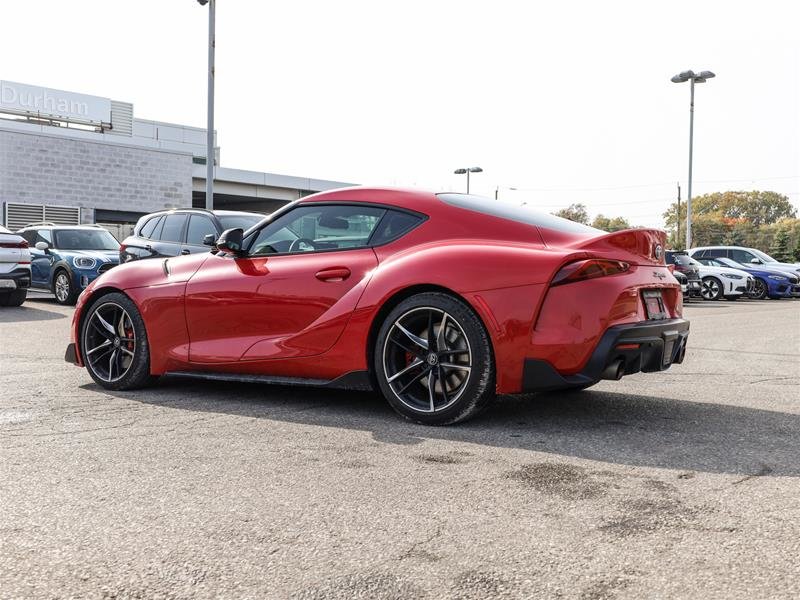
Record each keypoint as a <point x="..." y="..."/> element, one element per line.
<point x="210" y="125"/>
<point x="468" y="181"/>
<point x="689" y="193"/>
<point x="678" y="218"/>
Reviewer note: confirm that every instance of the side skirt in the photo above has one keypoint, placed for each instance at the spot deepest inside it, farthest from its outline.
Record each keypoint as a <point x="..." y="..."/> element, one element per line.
<point x="354" y="380"/>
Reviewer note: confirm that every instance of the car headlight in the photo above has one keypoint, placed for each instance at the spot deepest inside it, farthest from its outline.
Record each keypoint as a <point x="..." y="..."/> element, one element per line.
<point x="777" y="277"/>
<point x="732" y="276"/>
<point x="84" y="262"/>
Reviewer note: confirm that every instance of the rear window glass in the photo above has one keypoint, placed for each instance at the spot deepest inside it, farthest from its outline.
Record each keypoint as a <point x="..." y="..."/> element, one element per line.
<point x="679" y="259"/>
<point x="521" y="213"/>
<point x="147" y="228"/>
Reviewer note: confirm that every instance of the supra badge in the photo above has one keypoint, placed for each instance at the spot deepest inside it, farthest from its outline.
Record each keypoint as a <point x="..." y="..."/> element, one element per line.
<point x="658" y="274"/>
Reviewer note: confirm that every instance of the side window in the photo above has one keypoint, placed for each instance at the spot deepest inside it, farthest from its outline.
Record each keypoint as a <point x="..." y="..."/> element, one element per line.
<point x="172" y="230"/>
<point x="742" y="256"/>
<point x="29" y="236"/>
<point x="318" y="228"/>
<point x="148" y="228"/>
<point x="199" y="226"/>
<point x="393" y="225"/>
<point x="716" y="252"/>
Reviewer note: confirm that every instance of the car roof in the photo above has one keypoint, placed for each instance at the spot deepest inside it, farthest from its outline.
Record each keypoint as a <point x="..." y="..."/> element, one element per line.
<point x="87" y="227"/>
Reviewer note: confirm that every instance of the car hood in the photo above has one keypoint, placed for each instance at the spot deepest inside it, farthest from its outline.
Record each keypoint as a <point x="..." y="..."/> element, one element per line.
<point x="101" y="256"/>
<point x="154" y="271"/>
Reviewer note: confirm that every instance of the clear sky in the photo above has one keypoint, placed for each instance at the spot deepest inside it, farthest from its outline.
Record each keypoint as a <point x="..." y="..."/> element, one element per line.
<point x="566" y="101"/>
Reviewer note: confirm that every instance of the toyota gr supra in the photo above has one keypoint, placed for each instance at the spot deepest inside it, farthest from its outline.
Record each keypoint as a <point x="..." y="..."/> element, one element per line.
<point x="437" y="301"/>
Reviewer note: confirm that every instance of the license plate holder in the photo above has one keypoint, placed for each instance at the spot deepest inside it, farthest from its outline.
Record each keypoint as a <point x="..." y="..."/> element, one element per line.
<point x="654" y="304"/>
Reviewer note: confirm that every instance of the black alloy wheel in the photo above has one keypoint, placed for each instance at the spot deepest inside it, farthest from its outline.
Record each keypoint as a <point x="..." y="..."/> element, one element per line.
<point x="760" y="290"/>
<point x="433" y="360"/>
<point x="113" y="343"/>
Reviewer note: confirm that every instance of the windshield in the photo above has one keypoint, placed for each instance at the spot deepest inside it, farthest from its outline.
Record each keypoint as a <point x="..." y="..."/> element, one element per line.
<point x="728" y="262"/>
<point x="522" y="213"/>
<point x="765" y="257"/>
<point x="84" y="239"/>
<point x="236" y="221"/>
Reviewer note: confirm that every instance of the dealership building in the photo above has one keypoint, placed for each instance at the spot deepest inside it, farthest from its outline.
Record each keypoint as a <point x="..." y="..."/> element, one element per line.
<point x="70" y="158"/>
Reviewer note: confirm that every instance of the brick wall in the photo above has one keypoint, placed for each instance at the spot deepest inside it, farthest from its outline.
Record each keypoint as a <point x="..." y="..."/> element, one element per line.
<point x="43" y="169"/>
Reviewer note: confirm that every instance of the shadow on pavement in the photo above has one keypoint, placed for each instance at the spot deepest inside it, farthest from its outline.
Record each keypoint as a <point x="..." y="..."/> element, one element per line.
<point x="610" y="427"/>
<point x="26" y="312"/>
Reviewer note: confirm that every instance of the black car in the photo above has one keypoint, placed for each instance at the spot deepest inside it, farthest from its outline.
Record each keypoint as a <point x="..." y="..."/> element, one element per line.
<point x="180" y="231"/>
<point x="683" y="264"/>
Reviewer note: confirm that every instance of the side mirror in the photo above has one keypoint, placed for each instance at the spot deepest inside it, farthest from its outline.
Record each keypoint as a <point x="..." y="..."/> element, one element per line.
<point x="755" y="261"/>
<point x="43" y="246"/>
<point x="209" y="239"/>
<point x="231" y="240"/>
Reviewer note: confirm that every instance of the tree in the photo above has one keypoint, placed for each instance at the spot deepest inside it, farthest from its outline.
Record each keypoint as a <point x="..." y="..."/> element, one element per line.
<point x="574" y="212"/>
<point x="755" y="207"/>
<point x="610" y="224"/>
<point x="780" y="246"/>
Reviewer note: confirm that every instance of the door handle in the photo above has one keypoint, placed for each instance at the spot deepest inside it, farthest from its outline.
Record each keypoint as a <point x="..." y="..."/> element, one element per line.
<point x="333" y="274"/>
<point x="186" y="251"/>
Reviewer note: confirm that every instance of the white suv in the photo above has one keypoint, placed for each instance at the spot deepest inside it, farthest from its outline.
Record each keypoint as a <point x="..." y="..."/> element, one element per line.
<point x="15" y="268"/>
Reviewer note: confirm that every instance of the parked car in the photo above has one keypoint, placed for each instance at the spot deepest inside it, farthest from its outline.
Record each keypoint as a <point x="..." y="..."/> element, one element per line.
<point x="767" y="283"/>
<point x="745" y="256"/>
<point x="439" y="301"/>
<point x="15" y="268"/>
<point x="181" y="231"/>
<point x="723" y="282"/>
<point x="66" y="259"/>
<point x="683" y="281"/>
<point x="684" y="265"/>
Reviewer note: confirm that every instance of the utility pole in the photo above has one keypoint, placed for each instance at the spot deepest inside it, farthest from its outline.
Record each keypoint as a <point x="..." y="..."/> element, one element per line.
<point x="678" y="218"/>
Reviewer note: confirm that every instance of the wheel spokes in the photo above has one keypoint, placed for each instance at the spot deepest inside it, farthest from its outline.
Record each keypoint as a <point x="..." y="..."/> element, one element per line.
<point x="416" y="363"/>
<point x="110" y="342"/>
<point x="414" y="338"/>
<point x="106" y="325"/>
<point x="433" y="345"/>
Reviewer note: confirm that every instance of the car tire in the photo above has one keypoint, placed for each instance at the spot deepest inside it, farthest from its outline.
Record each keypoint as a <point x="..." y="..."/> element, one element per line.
<point x="63" y="288"/>
<point x="428" y="339"/>
<point x="113" y="329"/>
<point x="712" y="288"/>
<point x="760" y="289"/>
<point x="14" y="298"/>
<point x="731" y="298"/>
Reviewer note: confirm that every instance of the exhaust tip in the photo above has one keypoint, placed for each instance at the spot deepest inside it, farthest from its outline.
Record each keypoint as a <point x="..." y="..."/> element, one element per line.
<point x="614" y="371"/>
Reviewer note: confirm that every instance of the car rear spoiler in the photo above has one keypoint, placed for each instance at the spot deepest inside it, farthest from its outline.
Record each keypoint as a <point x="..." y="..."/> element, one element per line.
<point x="637" y="246"/>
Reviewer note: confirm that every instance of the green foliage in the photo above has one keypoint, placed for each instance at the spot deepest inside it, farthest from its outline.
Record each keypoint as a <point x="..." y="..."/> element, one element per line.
<point x="610" y="224"/>
<point x="574" y="212"/>
<point x="780" y="246"/>
<point x="750" y="219"/>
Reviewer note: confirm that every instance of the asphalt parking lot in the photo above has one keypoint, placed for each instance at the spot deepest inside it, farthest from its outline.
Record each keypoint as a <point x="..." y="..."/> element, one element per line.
<point x="681" y="484"/>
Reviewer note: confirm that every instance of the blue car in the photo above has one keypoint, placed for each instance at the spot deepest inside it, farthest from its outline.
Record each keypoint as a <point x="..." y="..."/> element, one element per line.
<point x="65" y="259"/>
<point x="769" y="283"/>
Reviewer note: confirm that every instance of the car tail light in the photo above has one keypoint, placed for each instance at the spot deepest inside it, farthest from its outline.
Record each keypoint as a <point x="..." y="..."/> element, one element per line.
<point x="589" y="269"/>
<point x="22" y="244"/>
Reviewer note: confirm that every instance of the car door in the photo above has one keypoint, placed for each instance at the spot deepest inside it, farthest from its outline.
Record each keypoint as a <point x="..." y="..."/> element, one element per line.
<point x="199" y="226"/>
<point x="41" y="260"/>
<point x="291" y="295"/>
<point x="169" y="234"/>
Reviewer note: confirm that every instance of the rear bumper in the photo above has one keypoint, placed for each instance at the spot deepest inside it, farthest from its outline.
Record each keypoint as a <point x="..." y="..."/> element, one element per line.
<point x="623" y="350"/>
<point x="16" y="279"/>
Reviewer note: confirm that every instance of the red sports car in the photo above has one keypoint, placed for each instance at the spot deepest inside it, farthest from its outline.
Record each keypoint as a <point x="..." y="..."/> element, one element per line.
<point x="440" y="301"/>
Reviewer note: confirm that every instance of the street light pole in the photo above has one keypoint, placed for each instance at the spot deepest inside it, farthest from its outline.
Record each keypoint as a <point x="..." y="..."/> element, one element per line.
<point x="468" y="171"/>
<point x="692" y="78"/>
<point x="212" y="4"/>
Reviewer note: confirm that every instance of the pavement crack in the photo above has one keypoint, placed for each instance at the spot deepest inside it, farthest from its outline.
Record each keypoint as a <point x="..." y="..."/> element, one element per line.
<point x="765" y="470"/>
<point x="415" y="545"/>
